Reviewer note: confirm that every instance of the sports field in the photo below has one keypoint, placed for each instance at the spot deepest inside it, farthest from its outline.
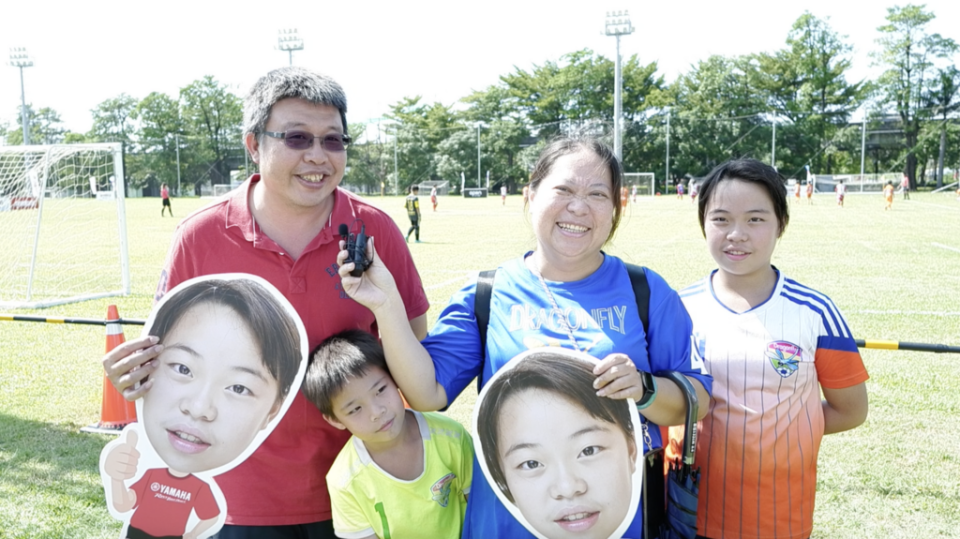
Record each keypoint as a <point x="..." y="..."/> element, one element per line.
<point x="895" y="275"/>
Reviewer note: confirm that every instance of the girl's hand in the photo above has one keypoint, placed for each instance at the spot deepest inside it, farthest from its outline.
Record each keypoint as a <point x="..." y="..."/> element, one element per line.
<point x="617" y="378"/>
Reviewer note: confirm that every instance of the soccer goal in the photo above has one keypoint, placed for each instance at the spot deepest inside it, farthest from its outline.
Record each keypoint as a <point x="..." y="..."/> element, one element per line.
<point x="643" y="181"/>
<point x="443" y="187"/>
<point x="64" y="224"/>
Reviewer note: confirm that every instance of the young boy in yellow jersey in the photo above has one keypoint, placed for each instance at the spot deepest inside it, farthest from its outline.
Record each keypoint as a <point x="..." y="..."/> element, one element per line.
<point x="402" y="473"/>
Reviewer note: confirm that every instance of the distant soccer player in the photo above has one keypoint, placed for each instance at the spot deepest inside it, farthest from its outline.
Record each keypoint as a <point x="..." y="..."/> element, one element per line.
<point x="841" y="193"/>
<point x="503" y="194"/>
<point x="433" y="197"/>
<point x="413" y="212"/>
<point x="809" y="192"/>
<point x="888" y="194"/>
<point x="680" y="189"/>
<point x="905" y="187"/>
<point x="165" y="195"/>
<point x="796" y="191"/>
<point x="772" y="345"/>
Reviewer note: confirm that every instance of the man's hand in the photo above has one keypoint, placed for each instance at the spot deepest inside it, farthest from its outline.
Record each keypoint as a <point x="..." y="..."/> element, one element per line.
<point x="130" y="363"/>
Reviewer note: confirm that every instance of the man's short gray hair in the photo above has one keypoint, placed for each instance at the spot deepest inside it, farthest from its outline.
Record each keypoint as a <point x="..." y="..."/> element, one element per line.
<point x="290" y="82"/>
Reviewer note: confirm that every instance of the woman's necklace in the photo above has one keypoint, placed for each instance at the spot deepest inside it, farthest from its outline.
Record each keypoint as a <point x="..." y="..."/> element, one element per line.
<point x="563" y="319"/>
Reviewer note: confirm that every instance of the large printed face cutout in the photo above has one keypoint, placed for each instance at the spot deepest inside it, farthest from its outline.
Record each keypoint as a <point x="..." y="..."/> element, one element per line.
<point x="560" y="458"/>
<point x="234" y="356"/>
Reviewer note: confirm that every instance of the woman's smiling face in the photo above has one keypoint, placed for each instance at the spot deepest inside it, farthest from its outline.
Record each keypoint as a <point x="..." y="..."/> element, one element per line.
<point x="572" y="210"/>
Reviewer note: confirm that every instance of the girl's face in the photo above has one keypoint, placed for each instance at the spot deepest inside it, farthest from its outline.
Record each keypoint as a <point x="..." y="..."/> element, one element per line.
<point x="570" y="473"/>
<point x="741" y="227"/>
<point x="211" y="392"/>
<point x="572" y="209"/>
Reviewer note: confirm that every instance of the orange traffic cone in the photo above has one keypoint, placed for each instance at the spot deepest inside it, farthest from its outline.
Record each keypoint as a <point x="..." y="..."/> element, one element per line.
<point x="116" y="412"/>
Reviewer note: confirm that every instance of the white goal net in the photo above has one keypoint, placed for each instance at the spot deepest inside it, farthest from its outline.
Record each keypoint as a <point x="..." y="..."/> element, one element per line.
<point x="642" y="180"/>
<point x="64" y="224"/>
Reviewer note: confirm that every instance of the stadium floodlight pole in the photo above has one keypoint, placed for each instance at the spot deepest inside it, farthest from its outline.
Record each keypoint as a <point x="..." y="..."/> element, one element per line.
<point x="396" y="168"/>
<point x="177" y="137"/>
<point x="773" y="145"/>
<point x="863" y="146"/>
<point x="666" y="178"/>
<point x="289" y="40"/>
<point x="618" y="24"/>
<point x="19" y="58"/>
<point x="478" y="154"/>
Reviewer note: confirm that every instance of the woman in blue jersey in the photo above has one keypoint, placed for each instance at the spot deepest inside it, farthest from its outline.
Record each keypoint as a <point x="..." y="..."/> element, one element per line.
<point x="567" y="293"/>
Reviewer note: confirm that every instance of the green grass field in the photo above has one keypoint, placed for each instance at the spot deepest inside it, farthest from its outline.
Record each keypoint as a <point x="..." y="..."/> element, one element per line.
<point x="895" y="275"/>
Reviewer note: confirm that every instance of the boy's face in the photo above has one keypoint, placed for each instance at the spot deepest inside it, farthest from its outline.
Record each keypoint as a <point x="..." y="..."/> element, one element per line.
<point x="370" y="407"/>
<point x="211" y="392"/>
<point x="570" y="474"/>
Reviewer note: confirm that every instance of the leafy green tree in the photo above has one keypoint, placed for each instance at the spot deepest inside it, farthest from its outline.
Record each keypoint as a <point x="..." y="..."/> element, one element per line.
<point x="161" y="129"/>
<point x="718" y="114"/>
<point x="368" y="161"/>
<point x="419" y="130"/>
<point x="908" y="52"/>
<point x="212" y="117"/>
<point x="113" y="120"/>
<point x="944" y="99"/>
<point x="805" y="84"/>
<point x="46" y="127"/>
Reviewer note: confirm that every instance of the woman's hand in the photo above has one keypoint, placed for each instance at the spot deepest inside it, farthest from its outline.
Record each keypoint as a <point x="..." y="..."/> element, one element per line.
<point x="374" y="287"/>
<point x="617" y="378"/>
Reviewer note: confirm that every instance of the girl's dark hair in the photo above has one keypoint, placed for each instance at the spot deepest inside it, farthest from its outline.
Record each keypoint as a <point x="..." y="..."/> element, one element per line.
<point x="270" y="324"/>
<point x="560" y="147"/>
<point x="551" y="371"/>
<point x="751" y="171"/>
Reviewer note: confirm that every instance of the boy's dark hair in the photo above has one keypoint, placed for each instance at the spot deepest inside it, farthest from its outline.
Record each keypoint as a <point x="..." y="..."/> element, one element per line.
<point x="550" y="371"/>
<point x="750" y="171"/>
<point x="415" y="188"/>
<point x="562" y="146"/>
<point x="270" y="324"/>
<point x="335" y="361"/>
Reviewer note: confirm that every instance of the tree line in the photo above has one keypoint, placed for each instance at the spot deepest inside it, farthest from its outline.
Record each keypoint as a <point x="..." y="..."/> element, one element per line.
<point x="794" y="105"/>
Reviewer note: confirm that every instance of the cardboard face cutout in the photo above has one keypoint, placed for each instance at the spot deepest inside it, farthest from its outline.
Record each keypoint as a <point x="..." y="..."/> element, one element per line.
<point x="563" y="461"/>
<point x="234" y="357"/>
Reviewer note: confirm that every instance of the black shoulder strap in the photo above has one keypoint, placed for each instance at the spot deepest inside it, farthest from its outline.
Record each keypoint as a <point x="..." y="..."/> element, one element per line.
<point x="481" y="303"/>
<point x="641" y="289"/>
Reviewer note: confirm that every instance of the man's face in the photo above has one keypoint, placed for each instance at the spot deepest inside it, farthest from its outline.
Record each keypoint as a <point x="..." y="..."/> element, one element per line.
<point x="211" y="392"/>
<point x="299" y="180"/>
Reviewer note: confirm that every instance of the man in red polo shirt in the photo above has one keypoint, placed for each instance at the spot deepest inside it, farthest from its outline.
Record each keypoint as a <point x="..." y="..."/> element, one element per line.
<point x="282" y="224"/>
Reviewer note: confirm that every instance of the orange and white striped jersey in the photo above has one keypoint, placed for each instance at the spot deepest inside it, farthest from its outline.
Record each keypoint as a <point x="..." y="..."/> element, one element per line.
<point x="758" y="445"/>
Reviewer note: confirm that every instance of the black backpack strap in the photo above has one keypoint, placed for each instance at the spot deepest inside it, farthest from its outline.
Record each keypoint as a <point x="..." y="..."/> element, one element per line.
<point x="641" y="289"/>
<point x="481" y="309"/>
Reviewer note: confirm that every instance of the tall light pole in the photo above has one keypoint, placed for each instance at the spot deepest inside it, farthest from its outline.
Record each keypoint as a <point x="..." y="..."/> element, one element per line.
<point x="618" y="24"/>
<point x="19" y="58"/>
<point x="666" y="177"/>
<point x="289" y="40"/>
<point x="478" y="154"/>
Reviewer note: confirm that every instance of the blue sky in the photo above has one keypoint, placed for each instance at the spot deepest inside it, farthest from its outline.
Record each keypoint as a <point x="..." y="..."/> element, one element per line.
<point x="86" y="52"/>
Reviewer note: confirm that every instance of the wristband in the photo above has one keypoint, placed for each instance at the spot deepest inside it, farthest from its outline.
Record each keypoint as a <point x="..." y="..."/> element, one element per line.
<point x="649" y="390"/>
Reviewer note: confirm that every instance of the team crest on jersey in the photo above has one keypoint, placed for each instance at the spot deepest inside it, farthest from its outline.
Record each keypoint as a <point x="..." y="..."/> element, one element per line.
<point x="441" y="489"/>
<point x="785" y="357"/>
